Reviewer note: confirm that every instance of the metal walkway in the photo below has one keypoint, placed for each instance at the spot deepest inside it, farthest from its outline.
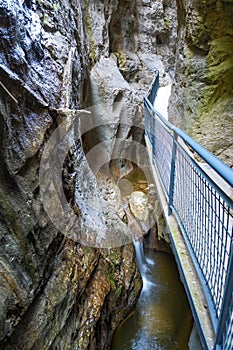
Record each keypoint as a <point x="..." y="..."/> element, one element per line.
<point x="194" y="189"/>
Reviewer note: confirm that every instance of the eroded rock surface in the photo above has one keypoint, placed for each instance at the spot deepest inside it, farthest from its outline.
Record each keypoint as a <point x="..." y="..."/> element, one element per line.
<point x="54" y="292"/>
<point x="140" y="34"/>
<point x="202" y="98"/>
<point x="56" y="58"/>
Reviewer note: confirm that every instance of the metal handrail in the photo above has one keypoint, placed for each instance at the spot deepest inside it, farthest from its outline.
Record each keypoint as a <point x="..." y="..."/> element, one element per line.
<point x="221" y="168"/>
<point x="214" y="205"/>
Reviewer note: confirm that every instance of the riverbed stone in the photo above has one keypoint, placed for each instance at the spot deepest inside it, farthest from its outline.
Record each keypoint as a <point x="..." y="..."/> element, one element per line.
<point x="138" y="202"/>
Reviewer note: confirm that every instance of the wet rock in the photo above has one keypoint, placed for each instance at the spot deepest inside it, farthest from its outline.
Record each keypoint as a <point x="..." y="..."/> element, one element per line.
<point x="51" y="292"/>
<point x="67" y="304"/>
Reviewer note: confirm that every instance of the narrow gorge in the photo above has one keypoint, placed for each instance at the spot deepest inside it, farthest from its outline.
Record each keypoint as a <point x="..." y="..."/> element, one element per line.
<point x="73" y="74"/>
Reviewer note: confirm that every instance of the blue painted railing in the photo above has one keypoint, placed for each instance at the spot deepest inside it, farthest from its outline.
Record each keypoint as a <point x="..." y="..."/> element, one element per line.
<point x="202" y="207"/>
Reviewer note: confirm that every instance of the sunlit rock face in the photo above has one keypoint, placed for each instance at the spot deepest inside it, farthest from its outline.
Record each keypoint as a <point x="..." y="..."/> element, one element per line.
<point x="202" y="98"/>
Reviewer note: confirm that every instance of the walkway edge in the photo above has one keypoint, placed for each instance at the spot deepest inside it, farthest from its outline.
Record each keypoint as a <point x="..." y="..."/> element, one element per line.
<point x="186" y="267"/>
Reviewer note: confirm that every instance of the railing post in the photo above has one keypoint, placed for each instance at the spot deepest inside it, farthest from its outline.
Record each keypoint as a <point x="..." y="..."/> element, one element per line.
<point x="153" y="88"/>
<point x="227" y="301"/>
<point x="172" y="174"/>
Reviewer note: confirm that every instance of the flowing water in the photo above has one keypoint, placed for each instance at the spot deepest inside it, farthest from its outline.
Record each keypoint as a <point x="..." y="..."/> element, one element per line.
<point x="162" y="318"/>
<point x="161" y="101"/>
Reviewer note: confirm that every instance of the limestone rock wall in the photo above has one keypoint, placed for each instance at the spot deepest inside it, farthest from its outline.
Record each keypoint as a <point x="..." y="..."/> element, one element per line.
<point x="129" y="40"/>
<point x="202" y="98"/>
<point x="54" y="292"/>
<point x="140" y="34"/>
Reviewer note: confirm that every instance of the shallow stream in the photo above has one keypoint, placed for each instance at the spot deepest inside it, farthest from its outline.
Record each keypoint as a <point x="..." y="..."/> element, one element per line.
<point x="162" y="318"/>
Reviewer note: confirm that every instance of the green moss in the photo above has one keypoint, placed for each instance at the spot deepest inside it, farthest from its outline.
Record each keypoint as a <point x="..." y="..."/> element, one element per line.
<point x="114" y="259"/>
<point x="220" y="49"/>
<point x="220" y="61"/>
<point x="111" y="277"/>
<point x="113" y="284"/>
<point x="222" y="72"/>
<point x="219" y="83"/>
<point x="118" y="292"/>
<point x="218" y="27"/>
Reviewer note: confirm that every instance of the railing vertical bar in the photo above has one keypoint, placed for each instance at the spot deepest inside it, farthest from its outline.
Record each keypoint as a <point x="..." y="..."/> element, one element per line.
<point x="172" y="173"/>
<point x="225" y="304"/>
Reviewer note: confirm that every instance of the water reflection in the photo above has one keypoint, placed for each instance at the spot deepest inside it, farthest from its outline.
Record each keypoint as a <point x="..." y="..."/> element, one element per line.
<point x="162" y="319"/>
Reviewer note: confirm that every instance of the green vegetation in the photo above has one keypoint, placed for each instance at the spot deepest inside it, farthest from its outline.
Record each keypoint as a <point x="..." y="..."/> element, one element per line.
<point x="212" y="39"/>
<point x="118" y="292"/>
<point x="166" y="23"/>
<point x="111" y="277"/>
<point x="114" y="259"/>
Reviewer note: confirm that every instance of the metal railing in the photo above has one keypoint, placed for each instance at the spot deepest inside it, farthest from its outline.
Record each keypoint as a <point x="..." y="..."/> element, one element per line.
<point x="202" y="207"/>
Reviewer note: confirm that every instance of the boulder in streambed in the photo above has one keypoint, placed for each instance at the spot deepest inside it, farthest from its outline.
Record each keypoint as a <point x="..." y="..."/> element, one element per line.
<point x="138" y="202"/>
